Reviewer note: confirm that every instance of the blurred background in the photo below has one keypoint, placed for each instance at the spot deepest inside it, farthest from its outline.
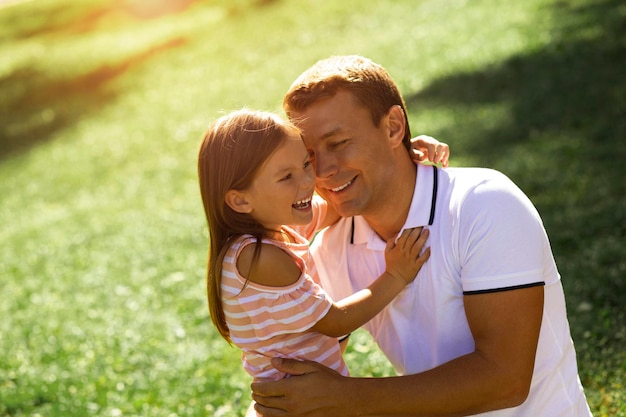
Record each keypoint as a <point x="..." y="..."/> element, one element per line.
<point x="102" y="235"/>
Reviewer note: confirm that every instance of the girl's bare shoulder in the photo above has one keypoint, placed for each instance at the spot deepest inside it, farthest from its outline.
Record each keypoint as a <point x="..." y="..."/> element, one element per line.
<point x="274" y="267"/>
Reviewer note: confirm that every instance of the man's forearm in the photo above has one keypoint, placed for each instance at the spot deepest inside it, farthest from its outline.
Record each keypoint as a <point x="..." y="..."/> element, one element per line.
<point x="467" y="385"/>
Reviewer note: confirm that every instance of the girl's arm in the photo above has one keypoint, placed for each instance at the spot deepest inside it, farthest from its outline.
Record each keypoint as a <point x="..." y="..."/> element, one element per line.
<point x="403" y="260"/>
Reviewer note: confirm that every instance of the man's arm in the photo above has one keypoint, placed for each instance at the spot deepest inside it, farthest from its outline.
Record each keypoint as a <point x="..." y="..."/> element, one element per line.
<point x="505" y="326"/>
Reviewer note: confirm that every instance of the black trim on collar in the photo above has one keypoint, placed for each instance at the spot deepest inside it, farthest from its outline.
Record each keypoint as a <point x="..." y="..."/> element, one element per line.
<point x="352" y="232"/>
<point x="433" y="201"/>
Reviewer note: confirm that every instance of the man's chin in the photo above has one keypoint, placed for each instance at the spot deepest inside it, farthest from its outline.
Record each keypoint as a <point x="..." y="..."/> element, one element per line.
<point x="346" y="209"/>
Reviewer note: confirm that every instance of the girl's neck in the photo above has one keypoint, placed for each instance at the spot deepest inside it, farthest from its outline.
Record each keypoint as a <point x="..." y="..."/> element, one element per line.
<point x="281" y="235"/>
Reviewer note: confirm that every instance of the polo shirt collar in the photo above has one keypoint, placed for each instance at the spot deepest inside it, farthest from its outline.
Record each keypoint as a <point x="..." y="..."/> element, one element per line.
<point x="419" y="211"/>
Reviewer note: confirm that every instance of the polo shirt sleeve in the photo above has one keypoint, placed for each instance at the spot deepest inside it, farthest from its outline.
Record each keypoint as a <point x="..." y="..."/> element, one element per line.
<point x="502" y="242"/>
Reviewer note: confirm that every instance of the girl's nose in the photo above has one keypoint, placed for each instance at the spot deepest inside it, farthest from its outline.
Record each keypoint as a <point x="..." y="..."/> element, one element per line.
<point x="309" y="179"/>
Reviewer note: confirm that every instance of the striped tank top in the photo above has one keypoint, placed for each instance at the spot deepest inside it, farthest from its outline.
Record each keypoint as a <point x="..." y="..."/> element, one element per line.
<point x="267" y="322"/>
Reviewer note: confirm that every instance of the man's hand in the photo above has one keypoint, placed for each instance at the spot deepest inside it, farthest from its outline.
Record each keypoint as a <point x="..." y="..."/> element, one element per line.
<point x="312" y="390"/>
<point x="425" y="148"/>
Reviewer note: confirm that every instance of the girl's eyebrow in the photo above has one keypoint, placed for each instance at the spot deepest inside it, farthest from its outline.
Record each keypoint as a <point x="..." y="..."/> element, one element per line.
<point x="284" y="170"/>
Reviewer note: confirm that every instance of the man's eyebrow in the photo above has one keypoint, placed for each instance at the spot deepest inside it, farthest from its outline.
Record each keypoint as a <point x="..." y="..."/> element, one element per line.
<point x="331" y="133"/>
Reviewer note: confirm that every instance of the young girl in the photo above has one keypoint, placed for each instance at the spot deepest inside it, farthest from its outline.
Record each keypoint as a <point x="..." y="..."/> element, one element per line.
<point x="256" y="178"/>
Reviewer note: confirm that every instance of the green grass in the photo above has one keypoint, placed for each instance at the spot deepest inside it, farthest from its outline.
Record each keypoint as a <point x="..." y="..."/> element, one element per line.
<point x="101" y="228"/>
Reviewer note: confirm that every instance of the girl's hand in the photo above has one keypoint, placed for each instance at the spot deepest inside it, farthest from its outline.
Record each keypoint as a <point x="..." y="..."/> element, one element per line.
<point x="425" y="148"/>
<point x="403" y="254"/>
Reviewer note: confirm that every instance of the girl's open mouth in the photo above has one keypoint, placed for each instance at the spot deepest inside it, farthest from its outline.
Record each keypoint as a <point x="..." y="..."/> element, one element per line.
<point x="302" y="204"/>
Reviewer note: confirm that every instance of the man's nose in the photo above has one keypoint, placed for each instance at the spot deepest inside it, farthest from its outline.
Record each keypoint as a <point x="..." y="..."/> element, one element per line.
<point x="325" y="165"/>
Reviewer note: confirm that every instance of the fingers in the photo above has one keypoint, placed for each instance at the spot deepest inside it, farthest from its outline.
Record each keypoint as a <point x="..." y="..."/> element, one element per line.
<point x="413" y="239"/>
<point x="419" y="244"/>
<point x="442" y="153"/>
<point x="418" y="155"/>
<point x="270" y="408"/>
<point x="417" y="239"/>
<point x="438" y="153"/>
<point x="423" y="257"/>
<point x="269" y="397"/>
<point x="288" y="366"/>
<point x="292" y="396"/>
<point x="426" y="148"/>
<point x="408" y="237"/>
<point x="294" y="367"/>
<point x="410" y="242"/>
<point x="406" y="255"/>
<point x="251" y="412"/>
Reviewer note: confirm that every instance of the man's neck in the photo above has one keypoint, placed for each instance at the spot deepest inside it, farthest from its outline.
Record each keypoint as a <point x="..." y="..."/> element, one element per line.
<point x="388" y="220"/>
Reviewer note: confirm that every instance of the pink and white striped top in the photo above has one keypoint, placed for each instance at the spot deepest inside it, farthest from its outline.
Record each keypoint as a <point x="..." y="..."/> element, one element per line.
<point x="267" y="322"/>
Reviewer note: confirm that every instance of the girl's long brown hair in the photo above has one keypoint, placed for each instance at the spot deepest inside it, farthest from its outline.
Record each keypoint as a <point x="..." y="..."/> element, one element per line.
<point x="232" y="150"/>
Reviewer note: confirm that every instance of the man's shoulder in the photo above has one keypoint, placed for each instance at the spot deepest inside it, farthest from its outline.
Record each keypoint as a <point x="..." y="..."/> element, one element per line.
<point x="460" y="181"/>
<point x="471" y="174"/>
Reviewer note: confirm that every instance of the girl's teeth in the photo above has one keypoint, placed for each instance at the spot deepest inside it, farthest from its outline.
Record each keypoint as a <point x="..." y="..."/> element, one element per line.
<point x="302" y="204"/>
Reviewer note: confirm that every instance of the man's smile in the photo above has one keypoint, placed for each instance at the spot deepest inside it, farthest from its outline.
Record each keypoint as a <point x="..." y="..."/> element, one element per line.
<point x="342" y="187"/>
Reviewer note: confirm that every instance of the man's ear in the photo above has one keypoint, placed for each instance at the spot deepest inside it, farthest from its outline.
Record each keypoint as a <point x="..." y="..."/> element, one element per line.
<point x="396" y="121"/>
<point x="237" y="201"/>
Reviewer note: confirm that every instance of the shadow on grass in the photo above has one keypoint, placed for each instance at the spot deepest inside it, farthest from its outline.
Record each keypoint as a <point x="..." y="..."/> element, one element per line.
<point x="35" y="106"/>
<point x="563" y="141"/>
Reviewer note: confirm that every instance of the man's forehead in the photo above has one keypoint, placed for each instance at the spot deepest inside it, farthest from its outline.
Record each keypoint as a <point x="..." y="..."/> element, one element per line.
<point x="319" y="136"/>
<point x="322" y="128"/>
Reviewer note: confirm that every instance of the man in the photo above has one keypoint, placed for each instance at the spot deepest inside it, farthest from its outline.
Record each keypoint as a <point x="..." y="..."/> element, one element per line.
<point x="483" y="329"/>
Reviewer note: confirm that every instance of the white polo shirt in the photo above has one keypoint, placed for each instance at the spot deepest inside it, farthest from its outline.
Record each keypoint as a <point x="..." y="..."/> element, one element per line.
<point x="485" y="236"/>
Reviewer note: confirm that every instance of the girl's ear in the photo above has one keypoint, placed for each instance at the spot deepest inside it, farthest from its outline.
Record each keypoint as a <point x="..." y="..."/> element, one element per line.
<point x="237" y="201"/>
